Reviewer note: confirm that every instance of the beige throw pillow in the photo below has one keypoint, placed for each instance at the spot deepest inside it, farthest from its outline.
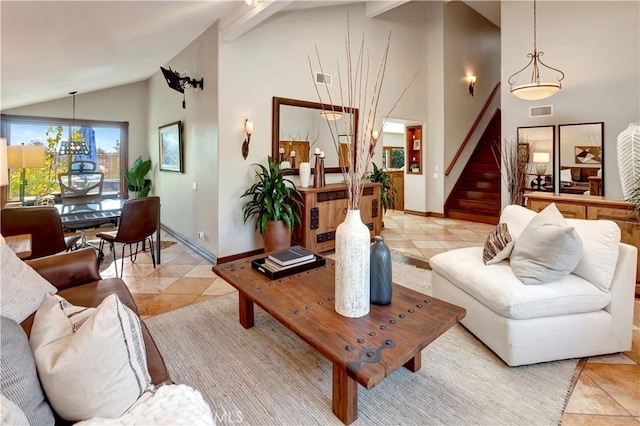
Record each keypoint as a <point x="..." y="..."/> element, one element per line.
<point x="498" y="245"/>
<point x="91" y="361"/>
<point x="547" y="249"/>
<point x="21" y="287"/>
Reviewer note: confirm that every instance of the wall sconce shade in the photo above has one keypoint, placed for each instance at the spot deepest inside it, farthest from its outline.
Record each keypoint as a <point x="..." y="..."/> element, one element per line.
<point x="4" y="165"/>
<point x="248" y="129"/>
<point x="472" y="83"/>
<point x="541" y="158"/>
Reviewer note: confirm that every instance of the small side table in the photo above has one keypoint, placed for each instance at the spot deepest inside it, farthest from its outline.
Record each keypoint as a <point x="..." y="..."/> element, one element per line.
<point x="539" y="183"/>
<point x="20" y="244"/>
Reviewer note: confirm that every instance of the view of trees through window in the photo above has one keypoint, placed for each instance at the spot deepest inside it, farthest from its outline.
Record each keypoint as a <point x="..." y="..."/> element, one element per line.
<point x="102" y="140"/>
<point x="393" y="157"/>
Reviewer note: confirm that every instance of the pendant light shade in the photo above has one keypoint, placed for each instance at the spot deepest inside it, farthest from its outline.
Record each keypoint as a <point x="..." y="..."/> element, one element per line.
<point x="535" y="89"/>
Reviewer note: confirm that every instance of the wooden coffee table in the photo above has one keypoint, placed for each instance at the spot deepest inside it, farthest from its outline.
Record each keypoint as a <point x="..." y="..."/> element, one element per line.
<point x="363" y="350"/>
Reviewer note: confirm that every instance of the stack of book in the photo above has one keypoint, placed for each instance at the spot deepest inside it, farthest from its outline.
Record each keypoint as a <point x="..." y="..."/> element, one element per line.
<point x="287" y="259"/>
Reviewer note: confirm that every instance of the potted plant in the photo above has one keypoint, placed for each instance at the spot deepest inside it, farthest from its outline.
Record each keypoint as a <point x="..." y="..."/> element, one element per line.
<point x="136" y="177"/>
<point x="275" y="203"/>
<point x="388" y="190"/>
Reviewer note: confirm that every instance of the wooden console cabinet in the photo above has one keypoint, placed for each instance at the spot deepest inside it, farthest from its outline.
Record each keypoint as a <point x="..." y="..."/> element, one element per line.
<point x="323" y="209"/>
<point x="594" y="207"/>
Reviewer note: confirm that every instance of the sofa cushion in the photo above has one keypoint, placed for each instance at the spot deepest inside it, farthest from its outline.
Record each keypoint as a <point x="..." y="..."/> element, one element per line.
<point x="517" y="218"/>
<point x="22" y="288"/>
<point x="19" y="379"/>
<point x="498" y="245"/>
<point x="547" y="249"/>
<point x="601" y="246"/>
<point x="91" y="361"/>
<point x="10" y="413"/>
<point x="497" y="288"/>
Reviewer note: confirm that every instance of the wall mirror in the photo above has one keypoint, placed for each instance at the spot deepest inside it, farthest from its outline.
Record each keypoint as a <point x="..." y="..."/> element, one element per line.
<point x="301" y="126"/>
<point x="536" y="146"/>
<point x="581" y="158"/>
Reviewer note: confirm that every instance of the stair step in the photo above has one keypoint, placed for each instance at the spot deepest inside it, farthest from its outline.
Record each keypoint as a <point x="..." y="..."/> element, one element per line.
<point x="473" y="217"/>
<point x="482" y="175"/>
<point x="477" y="196"/>
<point x="484" y="167"/>
<point x="476" y="206"/>
<point x="480" y="185"/>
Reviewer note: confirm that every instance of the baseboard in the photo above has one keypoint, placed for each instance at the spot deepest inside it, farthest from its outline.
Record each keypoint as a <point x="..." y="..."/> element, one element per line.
<point x="195" y="248"/>
<point x="233" y="257"/>
<point x="425" y="214"/>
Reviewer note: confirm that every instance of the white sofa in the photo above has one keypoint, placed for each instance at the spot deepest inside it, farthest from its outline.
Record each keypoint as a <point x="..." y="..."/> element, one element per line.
<point x="568" y="318"/>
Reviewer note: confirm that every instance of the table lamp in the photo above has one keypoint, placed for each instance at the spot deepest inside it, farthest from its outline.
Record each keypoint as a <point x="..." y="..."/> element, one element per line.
<point x="25" y="157"/>
<point x="541" y="158"/>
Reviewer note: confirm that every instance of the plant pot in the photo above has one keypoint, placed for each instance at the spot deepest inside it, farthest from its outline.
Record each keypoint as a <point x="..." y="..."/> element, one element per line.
<point x="277" y="236"/>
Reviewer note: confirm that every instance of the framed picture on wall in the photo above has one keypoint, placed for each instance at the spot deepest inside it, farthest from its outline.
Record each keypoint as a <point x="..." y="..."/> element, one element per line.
<point x="170" y="137"/>
<point x="416" y="144"/>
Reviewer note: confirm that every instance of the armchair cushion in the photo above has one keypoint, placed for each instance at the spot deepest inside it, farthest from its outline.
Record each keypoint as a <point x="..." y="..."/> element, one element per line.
<point x="22" y="288"/>
<point x="91" y="361"/>
<point x="547" y="250"/>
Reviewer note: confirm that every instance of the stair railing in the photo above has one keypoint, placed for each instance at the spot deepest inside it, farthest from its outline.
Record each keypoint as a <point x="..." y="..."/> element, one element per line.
<point x="472" y="129"/>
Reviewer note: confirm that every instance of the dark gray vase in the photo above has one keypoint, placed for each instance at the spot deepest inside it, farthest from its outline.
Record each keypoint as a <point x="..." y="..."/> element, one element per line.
<point x="380" y="272"/>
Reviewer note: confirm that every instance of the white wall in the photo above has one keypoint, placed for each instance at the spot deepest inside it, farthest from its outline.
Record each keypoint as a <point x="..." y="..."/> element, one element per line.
<point x="597" y="45"/>
<point x="184" y="210"/>
<point x="269" y="62"/>
<point x="123" y="103"/>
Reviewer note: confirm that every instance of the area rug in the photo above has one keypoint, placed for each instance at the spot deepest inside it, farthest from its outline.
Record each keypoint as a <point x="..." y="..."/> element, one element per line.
<point x="267" y="375"/>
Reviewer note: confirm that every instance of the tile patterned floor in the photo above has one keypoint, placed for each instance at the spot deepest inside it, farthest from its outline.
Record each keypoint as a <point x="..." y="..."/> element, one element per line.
<point x="607" y="391"/>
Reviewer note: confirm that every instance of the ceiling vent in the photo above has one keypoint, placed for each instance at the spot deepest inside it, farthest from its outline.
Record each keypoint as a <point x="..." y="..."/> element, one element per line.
<point x="541" y="111"/>
<point x="323" y="78"/>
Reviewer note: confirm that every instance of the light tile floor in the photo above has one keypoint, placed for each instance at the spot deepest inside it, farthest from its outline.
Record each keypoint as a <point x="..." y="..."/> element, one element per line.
<point x="607" y="389"/>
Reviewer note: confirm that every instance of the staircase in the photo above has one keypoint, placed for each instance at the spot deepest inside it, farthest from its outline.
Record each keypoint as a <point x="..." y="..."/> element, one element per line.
<point x="476" y="195"/>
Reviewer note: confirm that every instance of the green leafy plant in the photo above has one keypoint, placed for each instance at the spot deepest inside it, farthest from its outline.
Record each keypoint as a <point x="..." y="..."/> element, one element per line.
<point x="136" y="177"/>
<point x="272" y="198"/>
<point x="388" y="191"/>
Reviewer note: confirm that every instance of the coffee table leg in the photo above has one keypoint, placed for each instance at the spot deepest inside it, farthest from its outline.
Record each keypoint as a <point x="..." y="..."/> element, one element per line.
<point x="414" y="363"/>
<point x="245" y="306"/>
<point x="345" y="395"/>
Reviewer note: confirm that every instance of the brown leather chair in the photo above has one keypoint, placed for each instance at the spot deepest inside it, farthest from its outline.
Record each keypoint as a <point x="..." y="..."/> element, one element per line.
<point x="138" y="221"/>
<point x="43" y="223"/>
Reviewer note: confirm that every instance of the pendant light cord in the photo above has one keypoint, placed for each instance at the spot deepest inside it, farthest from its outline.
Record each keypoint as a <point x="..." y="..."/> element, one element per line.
<point x="535" y="31"/>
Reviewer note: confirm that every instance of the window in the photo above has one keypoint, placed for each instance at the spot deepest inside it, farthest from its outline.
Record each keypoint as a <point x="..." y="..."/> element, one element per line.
<point x="393" y="157"/>
<point x="106" y="142"/>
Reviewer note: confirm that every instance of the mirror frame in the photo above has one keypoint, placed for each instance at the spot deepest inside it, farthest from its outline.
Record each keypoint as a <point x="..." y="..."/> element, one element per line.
<point x="275" y="127"/>
<point x="601" y="134"/>
<point x="531" y="165"/>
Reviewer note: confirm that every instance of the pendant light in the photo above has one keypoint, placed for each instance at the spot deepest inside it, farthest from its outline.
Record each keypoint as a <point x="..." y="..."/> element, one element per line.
<point x="72" y="147"/>
<point x="535" y="89"/>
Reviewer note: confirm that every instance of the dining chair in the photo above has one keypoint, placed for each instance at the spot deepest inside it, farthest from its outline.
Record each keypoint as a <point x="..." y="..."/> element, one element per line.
<point x="138" y="221"/>
<point x="81" y="187"/>
<point x="42" y="223"/>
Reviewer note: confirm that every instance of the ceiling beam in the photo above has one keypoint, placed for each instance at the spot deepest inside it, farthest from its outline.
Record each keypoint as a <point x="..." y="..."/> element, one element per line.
<point x="375" y="8"/>
<point x="244" y="18"/>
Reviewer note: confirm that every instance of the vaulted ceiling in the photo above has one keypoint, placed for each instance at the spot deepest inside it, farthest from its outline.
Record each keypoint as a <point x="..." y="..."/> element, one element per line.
<point x="50" y="48"/>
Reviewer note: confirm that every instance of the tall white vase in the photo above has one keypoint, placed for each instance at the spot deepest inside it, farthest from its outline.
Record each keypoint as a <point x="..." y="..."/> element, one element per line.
<point x="305" y="174"/>
<point x="628" y="149"/>
<point x="352" y="267"/>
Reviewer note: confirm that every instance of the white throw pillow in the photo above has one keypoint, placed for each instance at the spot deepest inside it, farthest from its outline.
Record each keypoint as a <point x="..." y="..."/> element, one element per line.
<point x="10" y="413"/>
<point x="21" y="287"/>
<point x="91" y="361"/>
<point x="565" y="176"/>
<point x="547" y="250"/>
<point x="601" y="246"/>
<point x="517" y="218"/>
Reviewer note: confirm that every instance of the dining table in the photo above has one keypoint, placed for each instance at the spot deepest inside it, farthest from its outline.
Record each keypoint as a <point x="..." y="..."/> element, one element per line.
<point x="84" y="215"/>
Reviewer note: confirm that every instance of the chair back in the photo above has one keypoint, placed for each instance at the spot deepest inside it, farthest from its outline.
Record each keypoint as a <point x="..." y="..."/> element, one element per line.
<point x="139" y="219"/>
<point x="81" y="187"/>
<point x="43" y="223"/>
<point x="83" y="166"/>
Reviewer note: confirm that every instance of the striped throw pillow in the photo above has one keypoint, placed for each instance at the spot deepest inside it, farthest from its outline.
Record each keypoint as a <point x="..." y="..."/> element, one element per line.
<point x="498" y="245"/>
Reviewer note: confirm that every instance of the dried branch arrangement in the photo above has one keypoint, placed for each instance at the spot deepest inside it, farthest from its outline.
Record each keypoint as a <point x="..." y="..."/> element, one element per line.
<point x="514" y="174"/>
<point x="355" y="94"/>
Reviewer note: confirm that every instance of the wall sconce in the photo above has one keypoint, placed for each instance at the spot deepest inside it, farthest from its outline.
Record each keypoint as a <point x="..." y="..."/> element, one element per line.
<point x="472" y="83"/>
<point x="248" y="129"/>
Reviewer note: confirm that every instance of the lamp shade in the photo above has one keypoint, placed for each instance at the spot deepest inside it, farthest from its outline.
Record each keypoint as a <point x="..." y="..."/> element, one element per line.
<point x="540" y="157"/>
<point x="535" y="91"/>
<point x="25" y="156"/>
<point x="4" y="168"/>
